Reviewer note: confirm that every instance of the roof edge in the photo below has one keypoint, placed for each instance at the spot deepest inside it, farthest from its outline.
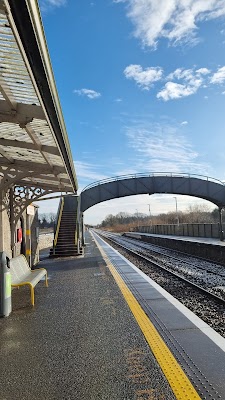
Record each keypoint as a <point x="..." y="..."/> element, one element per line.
<point x="30" y="28"/>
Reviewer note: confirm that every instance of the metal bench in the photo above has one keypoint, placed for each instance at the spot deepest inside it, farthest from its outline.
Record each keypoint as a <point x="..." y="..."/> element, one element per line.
<point x="21" y="275"/>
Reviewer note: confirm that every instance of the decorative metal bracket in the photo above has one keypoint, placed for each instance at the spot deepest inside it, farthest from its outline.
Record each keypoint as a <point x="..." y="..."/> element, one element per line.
<point x="9" y="175"/>
<point x="5" y="203"/>
<point x="22" y="197"/>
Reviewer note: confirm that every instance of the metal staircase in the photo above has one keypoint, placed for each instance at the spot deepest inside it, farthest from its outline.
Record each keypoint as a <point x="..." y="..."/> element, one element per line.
<point x="66" y="239"/>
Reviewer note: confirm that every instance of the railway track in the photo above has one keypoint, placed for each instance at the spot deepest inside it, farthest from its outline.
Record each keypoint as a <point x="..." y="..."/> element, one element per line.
<point x="197" y="283"/>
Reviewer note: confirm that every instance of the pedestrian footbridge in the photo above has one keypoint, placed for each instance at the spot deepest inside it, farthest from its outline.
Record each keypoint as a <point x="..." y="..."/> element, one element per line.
<point x="150" y="183"/>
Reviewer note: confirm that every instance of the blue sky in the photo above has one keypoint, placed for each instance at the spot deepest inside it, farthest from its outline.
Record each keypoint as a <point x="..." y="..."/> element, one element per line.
<point x="142" y="88"/>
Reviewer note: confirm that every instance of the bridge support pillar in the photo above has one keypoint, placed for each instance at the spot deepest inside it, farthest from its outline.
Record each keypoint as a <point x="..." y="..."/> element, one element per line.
<point x="221" y="233"/>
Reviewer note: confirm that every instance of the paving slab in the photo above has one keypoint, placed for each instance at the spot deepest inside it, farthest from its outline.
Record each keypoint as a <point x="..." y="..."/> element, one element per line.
<point x="79" y="342"/>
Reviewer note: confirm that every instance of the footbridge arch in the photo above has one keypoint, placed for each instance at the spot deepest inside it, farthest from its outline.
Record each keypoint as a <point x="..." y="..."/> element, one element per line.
<point x="162" y="182"/>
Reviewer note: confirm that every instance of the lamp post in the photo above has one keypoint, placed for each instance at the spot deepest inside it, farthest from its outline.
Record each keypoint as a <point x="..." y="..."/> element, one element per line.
<point x="150" y="215"/>
<point x="137" y="219"/>
<point x="177" y="211"/>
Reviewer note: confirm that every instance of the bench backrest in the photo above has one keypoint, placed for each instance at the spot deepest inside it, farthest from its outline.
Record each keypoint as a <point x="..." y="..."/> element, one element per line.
<point x="19" y="268"/>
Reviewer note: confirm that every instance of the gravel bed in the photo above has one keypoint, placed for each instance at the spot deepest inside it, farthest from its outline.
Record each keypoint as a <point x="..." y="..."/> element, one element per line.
<point x="207" y="309"/>
<point x="208" y="275"/>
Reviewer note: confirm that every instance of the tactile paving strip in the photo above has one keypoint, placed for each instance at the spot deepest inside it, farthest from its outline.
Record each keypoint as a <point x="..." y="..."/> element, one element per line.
<point x="131" y="279"/>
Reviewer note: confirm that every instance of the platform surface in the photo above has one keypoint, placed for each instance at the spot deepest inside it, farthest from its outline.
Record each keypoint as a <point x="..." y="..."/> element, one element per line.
<point x="81" y="340"/>
<point x="198" y="348"/>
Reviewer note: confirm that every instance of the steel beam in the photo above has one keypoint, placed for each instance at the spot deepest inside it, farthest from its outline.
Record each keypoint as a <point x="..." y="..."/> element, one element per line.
<point x="29" y="146"/>
<point x="185" y="185"/>
<point x="19" y="113"/>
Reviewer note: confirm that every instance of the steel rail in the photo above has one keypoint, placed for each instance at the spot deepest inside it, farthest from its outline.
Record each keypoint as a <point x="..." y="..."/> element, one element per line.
<point x="142" y="247"/>
<point x="177" y="251"/>
<point x="206" y="292"/>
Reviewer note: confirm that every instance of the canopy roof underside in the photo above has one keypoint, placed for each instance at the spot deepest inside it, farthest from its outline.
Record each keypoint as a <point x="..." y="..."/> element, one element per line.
<point x="34" y="147"/>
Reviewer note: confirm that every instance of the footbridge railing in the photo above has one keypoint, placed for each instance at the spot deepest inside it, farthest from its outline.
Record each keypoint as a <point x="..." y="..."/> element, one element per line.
<point x="200" y="186"/>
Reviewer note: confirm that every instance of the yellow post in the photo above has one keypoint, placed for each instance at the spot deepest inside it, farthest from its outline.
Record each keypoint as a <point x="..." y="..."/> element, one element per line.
<point x="28" y="240"/>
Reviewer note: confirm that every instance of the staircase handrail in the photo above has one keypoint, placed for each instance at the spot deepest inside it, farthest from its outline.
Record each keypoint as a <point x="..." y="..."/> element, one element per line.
<point x="59" y="221"/>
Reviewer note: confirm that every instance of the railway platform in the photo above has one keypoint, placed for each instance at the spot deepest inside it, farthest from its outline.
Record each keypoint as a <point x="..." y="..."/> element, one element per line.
<point x="210" y="248"/>
<point x="103" y="330"/>
<point x="192" y="239"/>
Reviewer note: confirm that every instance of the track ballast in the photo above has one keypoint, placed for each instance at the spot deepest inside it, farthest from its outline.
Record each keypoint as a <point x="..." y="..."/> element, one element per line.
<point x="198" y="284"/>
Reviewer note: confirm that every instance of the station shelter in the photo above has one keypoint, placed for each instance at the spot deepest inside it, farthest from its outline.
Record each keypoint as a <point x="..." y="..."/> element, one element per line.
<point x="35" y="155"/>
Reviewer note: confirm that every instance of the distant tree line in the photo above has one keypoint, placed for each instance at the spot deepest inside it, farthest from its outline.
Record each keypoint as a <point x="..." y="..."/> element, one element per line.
<point x="47" y="220"/>
<point x="194" y="214"/>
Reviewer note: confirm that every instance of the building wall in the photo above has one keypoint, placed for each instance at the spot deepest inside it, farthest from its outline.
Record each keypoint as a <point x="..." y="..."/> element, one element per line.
<point x="28" y="242"/>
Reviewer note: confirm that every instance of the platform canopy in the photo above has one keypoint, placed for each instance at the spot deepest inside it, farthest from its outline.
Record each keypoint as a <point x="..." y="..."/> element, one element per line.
<point x="34" y="148"/>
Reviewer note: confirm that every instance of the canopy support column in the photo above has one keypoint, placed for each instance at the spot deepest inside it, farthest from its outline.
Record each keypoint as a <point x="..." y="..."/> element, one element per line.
<point x="12" y="218"/>
<point x="28" y="240"/>
<point x="2" y="208"/>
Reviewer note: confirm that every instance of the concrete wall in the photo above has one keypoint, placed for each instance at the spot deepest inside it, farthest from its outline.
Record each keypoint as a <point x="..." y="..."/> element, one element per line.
<point x="211" y="252"/>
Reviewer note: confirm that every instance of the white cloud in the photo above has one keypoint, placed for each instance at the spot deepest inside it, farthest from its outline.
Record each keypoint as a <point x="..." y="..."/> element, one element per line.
<point x="184" y="123"/>
<point x="118" y="100"/>
<point x="161" y="147"/>
<point x="175" y="20"/>
<point x="219" y="76"/>
<point x="191" y="81"/>
<point x="152" y="147"/>
<point x="88" y="173"/>
<point x="143" y="77"/>
<point x="203" y="71"/>
<point x="91" y="94"/>
<point x="48" y="4"/>
<point x="180" y="83"/>
<point x="223" y="92"/>
<point x="174" y="90"/>
<point x="181" y="73"/>
<point x="56" y="3"/>
<point x="188" y="74"/>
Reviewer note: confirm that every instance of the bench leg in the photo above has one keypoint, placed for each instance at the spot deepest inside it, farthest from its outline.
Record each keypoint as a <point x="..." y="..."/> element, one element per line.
<point x="46" y="279"/>
<point x="32" y="294"/>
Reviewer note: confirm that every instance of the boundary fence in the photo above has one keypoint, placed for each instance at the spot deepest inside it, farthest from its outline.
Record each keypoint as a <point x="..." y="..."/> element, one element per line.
<point x="194" y="230"/>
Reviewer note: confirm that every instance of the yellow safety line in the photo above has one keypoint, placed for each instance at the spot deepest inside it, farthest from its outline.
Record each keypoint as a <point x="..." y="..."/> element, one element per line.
<point x="179" y="382"/>
<point x="59" y="221"/>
